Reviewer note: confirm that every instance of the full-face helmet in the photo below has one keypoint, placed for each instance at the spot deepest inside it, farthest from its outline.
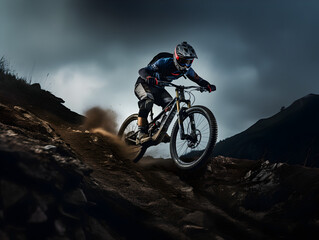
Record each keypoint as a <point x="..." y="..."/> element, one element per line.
<point x="184" y="55"/>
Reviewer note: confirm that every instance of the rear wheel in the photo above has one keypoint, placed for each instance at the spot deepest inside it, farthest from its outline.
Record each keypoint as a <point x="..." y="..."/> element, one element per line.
<point x="200" y="129"/>
<point x="128" y="133"/>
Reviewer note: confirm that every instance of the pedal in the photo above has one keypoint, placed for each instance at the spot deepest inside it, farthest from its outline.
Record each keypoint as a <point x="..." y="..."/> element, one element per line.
<point x="143" y="140"/>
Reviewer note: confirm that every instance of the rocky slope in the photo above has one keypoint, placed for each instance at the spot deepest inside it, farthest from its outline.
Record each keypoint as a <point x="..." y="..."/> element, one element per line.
<point x="291" y="136"/>
<point x="60" y="181"/>
<point x="65" y="183"/>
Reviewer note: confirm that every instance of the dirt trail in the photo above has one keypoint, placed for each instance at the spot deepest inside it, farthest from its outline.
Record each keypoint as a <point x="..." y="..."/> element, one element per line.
<point x="155" y="186"/>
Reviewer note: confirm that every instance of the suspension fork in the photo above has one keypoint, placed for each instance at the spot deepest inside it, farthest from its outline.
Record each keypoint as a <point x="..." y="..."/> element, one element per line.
<point x="181" y="114"/>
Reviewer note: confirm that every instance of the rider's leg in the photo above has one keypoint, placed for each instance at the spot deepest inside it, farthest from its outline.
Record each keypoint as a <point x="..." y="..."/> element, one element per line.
<point x="144" y="94"/>
<point x="145" y="107"/>
<point x="141" y="121"/>
<point x="142" y="124"/>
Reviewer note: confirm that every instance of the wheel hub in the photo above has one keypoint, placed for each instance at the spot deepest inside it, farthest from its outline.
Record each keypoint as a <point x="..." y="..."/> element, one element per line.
<point x="195" y="139"/>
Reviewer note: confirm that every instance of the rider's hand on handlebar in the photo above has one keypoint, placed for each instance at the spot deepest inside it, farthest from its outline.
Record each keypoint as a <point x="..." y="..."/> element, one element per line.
<point x="208" y="87"/>
<point x="211" y="87"/>
<point x="152" y="80"/>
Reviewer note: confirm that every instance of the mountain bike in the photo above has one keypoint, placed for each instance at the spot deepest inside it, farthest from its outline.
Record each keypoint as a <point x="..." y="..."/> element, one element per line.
<point x="193" y="136"/>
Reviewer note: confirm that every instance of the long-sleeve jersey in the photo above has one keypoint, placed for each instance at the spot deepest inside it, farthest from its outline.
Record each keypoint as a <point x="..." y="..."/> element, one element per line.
<point x="164" y="70"/>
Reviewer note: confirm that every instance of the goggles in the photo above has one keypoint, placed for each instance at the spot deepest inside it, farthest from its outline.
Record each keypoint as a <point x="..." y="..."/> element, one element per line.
<point x="185" y="62"/>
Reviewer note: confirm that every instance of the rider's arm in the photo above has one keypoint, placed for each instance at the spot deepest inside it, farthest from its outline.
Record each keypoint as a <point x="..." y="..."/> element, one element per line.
<point x="146" y="72"/>
<point x="192" y="75"/>
<point x="150" y="70"/>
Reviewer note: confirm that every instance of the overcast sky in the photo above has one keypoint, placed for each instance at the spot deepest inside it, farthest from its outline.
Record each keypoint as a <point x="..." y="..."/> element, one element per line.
<point x="261" y="55"/>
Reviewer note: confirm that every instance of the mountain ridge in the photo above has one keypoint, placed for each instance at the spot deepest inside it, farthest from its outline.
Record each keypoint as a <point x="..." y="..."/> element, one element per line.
<point x="290" y="135"/>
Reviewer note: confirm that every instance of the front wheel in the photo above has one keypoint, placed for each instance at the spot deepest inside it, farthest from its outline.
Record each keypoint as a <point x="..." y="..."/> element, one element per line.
<point x="128" y="133"/>
<point x="200" y="135"/>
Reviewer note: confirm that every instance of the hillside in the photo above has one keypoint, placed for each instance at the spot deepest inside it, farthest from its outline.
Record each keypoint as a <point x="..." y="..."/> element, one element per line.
<point x="60" y="181"/>
<point x="290" y="136"/>
<point x="16" y="91"/>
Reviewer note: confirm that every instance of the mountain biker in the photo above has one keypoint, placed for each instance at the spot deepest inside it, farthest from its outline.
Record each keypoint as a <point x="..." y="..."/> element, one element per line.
<point x="150" y="90"/>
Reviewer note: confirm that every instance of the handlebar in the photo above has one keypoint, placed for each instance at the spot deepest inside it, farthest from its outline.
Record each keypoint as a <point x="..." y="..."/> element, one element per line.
<point x="181" y="87"/>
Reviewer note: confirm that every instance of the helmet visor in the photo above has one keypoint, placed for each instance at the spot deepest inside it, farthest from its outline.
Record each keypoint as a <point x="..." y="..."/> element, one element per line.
<point x="185" y="62"/>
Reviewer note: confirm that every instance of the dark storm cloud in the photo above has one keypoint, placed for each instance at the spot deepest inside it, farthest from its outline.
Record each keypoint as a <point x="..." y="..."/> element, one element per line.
<point x="260" y="54"/>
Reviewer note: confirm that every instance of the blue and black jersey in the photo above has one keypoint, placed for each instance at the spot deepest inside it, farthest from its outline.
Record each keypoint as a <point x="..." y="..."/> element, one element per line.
<point x="164" y="70"/>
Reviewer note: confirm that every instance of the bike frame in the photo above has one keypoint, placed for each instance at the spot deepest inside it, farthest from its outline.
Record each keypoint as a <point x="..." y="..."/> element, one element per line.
<point x="172" y="107"/>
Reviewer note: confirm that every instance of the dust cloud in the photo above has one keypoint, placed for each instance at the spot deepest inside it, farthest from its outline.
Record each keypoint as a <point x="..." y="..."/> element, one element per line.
<point x="119" y="148"/>
<point x="103" y="123"/>
<point x="99" y="118"/>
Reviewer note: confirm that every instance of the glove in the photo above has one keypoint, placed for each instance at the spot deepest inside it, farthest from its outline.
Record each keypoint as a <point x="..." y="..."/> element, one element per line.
<point x="211" y="87"/>
<point x="151" y="80"/>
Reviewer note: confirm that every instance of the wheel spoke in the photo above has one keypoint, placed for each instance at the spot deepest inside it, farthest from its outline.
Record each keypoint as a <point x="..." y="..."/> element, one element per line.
<point x="181" y="147"/>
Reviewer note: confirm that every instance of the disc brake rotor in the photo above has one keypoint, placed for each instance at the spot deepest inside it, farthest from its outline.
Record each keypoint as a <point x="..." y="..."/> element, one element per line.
<point x="194" y="144"/>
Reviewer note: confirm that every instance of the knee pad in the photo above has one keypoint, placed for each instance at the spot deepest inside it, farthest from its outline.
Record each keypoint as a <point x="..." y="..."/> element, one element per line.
<point x="145" y="107"/>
